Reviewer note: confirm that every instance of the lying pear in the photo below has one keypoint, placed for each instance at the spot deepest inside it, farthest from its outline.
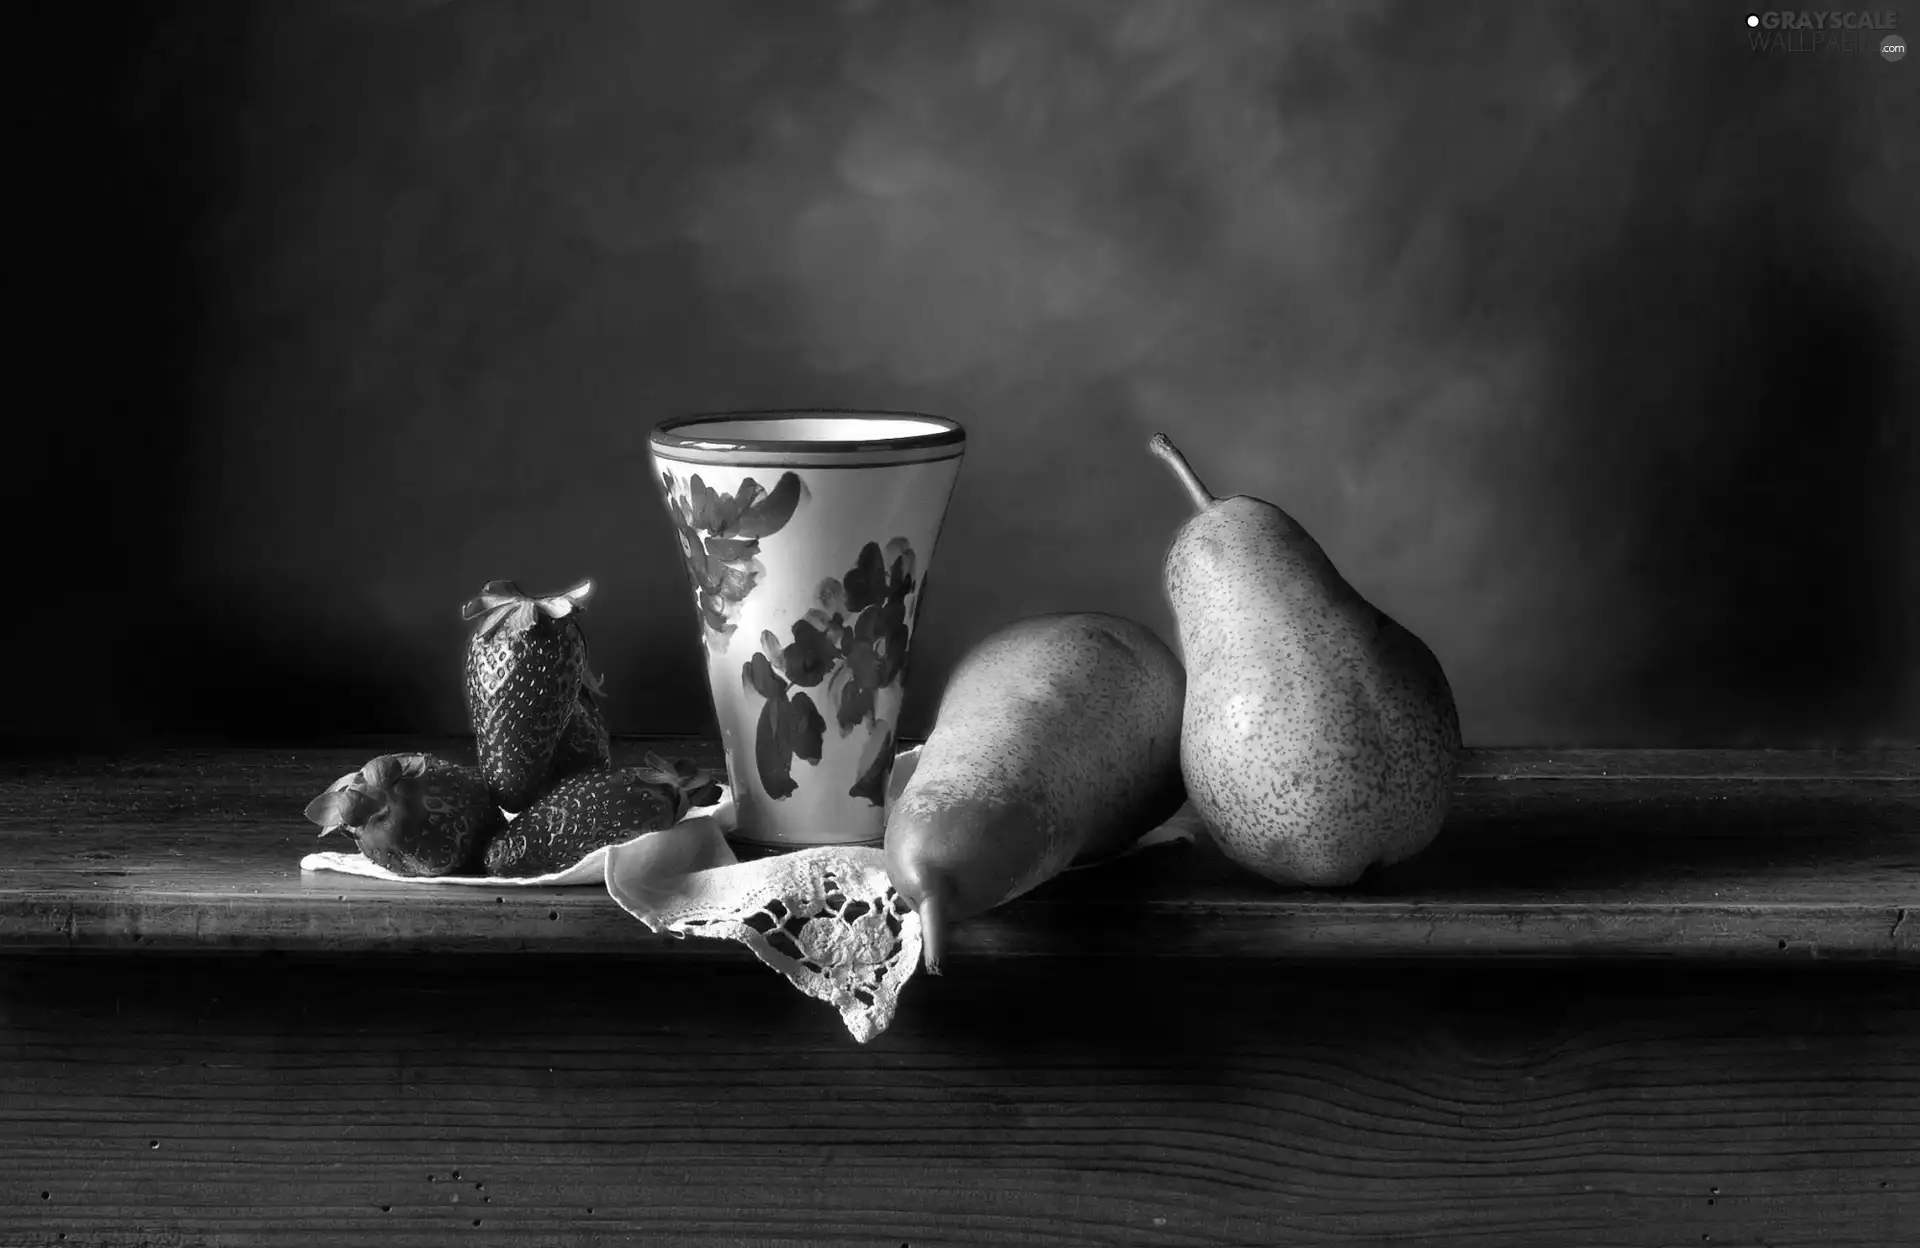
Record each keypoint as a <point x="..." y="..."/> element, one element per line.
<point x="1319" y="737"/>
<point x="1056" y="742"/>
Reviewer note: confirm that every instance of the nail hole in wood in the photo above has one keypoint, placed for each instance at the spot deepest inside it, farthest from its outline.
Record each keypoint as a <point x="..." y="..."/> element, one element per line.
<point x="553" y="914"/>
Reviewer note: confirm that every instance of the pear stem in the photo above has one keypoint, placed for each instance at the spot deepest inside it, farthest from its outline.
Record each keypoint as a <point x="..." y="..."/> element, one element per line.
<point x="1168" y="454"/>
<point x="932" y="931"/>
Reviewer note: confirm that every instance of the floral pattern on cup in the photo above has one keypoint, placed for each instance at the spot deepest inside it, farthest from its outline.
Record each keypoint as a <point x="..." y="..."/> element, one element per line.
<point x="720" y="538"/>
<point x="849" y="648"/>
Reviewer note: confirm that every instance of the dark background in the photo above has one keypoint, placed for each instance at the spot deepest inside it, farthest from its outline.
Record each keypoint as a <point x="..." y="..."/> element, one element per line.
<point x="1581" y="336"/>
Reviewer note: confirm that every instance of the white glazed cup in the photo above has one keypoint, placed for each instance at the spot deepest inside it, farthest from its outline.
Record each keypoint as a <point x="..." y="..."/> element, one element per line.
<point x="807" y="536"/>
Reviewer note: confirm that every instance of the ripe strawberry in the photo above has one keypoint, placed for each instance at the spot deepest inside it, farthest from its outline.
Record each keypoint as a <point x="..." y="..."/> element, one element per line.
<point x="594" y="809"/>
<point x="411" y="813"/>
<point x="526" y="663"/>
<point x="584" y="744"/>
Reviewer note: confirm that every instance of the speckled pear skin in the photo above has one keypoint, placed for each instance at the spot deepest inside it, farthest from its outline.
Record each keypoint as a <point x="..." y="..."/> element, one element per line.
<point x="1057" y="740"/>
<point x="1320" y="737"/>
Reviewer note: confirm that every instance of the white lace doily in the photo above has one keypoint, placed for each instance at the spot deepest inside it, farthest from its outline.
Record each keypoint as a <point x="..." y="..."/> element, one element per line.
<point x="827" y="918"/>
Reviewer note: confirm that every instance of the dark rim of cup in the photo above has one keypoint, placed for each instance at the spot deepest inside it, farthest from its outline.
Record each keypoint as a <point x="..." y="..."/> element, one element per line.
<point x="684" y="432"/>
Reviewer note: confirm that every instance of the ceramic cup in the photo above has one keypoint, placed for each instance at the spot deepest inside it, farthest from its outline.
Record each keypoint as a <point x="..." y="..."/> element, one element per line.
<point x="807" y="536"/>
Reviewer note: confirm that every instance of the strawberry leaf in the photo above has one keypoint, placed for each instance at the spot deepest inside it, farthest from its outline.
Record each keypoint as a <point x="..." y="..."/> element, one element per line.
<point x="564" y="604"/>
<point x="344" y="808"/>
<point x="658" y="771"/>
<point x="493" y="594"/>
<point x="380" y="773"/>
<point x="513" y="618"/>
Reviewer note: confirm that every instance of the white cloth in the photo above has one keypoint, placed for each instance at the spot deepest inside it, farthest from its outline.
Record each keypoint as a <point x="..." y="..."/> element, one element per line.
<point x="827" y="918"/>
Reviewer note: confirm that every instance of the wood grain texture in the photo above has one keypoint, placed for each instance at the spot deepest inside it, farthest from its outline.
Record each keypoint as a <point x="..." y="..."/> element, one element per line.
<point x="274" y="1100"/>
<point x="1769" y="854"/>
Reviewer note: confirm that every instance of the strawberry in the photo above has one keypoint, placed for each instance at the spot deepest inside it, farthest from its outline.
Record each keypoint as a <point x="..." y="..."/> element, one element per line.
<point x="411" y="813"/>
<point x="526" y="664"/>
<point x="584" y="745"/>
<point x="596" y="809"/>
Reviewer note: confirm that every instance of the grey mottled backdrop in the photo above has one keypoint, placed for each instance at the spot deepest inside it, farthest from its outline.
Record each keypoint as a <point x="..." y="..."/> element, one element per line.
<point x="1581" y="335"/>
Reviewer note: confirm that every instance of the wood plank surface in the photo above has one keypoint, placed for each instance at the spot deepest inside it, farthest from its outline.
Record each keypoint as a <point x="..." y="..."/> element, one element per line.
<point x="1767" y="854"/>
<point x="271" y="1100"/>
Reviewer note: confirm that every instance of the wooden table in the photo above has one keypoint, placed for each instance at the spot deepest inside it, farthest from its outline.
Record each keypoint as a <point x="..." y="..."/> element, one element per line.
<point x="1627" y="998"/>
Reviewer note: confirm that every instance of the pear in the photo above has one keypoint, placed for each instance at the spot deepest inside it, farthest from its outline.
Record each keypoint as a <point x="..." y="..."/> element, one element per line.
<point x="1056" y="742"/>
<point x="1319" y="737"/>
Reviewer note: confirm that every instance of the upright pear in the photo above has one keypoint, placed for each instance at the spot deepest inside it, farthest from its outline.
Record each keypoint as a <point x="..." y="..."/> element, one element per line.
<point x="1319" y="737"/>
